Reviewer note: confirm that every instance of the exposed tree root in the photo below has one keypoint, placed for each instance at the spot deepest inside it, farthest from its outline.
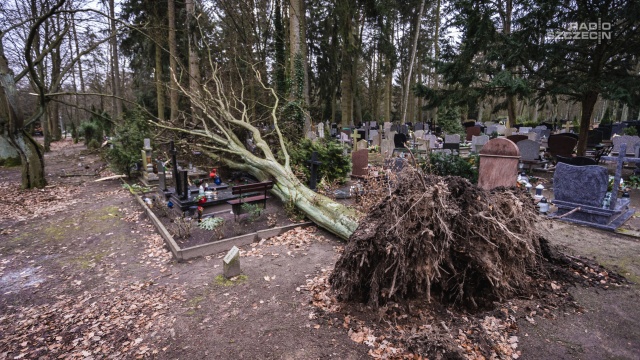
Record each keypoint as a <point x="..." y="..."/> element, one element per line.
<point x="441" y="238"/>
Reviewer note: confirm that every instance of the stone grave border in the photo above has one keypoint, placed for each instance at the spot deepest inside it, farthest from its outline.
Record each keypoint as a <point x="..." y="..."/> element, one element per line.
<point x="183" y="254"/>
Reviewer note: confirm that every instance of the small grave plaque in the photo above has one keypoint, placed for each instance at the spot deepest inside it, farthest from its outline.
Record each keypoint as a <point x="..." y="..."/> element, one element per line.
<point x="231" y="263"/>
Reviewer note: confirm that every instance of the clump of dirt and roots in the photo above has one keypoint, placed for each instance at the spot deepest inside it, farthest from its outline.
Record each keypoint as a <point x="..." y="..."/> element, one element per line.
<point x="442" y="238"/>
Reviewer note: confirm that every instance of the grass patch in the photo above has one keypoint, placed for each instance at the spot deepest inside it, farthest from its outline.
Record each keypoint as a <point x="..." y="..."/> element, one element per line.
<point x="221" y="280"/>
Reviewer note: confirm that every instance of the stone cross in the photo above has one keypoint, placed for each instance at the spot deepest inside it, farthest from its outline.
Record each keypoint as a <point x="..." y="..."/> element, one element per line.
<point x="231" y="263"/>
<point x="355" y="137"/>
<point x="315" y="164"/>
<point x="621" y="159"/>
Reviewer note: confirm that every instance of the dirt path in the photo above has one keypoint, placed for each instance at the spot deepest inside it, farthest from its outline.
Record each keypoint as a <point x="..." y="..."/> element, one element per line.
<point x="84" y="274"/>
<point x="88" y="251"/>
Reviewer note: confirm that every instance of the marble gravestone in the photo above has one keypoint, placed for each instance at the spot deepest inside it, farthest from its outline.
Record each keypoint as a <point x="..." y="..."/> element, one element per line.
<point x="579" y="193"/>
<point x="498" y="164"/>
<point x="321" y="130"/>
<point x="362" y="145"/>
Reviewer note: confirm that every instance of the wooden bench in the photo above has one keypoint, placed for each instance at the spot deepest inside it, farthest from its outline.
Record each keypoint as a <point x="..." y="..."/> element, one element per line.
<point x="248" y="195"/>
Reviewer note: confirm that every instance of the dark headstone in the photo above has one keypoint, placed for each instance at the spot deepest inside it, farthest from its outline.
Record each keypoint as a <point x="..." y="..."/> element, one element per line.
<point x="360" y="163"/>
<point x="183" y="189"/>
<point x="472" y="131"/>
<point x="580" y="184"/>
<point x="314" y="165"/>
<point x="174" y="167"/>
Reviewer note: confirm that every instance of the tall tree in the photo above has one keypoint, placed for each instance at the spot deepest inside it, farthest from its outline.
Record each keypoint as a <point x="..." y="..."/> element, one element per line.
<point x="173" y="60"/>
<point x="600" y="61"/>
<point x="115" y="63"/>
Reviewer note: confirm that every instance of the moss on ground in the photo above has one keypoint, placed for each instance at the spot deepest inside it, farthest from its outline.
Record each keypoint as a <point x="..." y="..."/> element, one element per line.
<point x="221" y="280"/>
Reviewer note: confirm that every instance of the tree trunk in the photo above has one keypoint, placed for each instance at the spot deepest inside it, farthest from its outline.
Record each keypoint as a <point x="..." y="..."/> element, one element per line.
<point x="436" y="44"/>
<point x="173" y="63"/>
<point x="12" y="118"/>
<point x="117" y="103"/>
<point x="405" y="100"/>
<point x="588" y="103"/>
<point x="323" y="211"/>
<point x="194" y="61"/>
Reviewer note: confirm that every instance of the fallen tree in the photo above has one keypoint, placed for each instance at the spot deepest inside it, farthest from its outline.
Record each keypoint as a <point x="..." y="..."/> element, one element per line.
<point x="216" y="128"/>
<point x="444" y="238"/>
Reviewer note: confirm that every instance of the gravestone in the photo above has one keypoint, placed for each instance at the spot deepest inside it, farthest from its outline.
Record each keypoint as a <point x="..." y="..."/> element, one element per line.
<point x="452" y="139"/>
<point x="491" y="129"/>
<point x="373" y="134"/>
<point x="498" y="164"/>
<point x="183" y="189"/>
<point x="472" y="131"/>
<point x="174" y="166"/>
<point x="529" y="150"/>
<point x="432" y="140"/>
<point x="419" y="126"/>
<point x="344" y="138"/>
<point x="579" y="194"/>
<point x="162" y="176"/>
<point x="631" y="142"/>
<point x="404" y="129"/>
<point x="524" y="129"/>
<point x="477" y="142"/>
<point x="386" y="147"/>
<point x="375" y="138"/>
<point x="386" y="127"/>
<point x="334" y="129"/>
<point x="314" y="164"/>
<point x="501" y="129"/>
<point x="362" y="145"/>
<point x="360" y="163"/>
<point x="321" y="130"/>
<point x="231" y="263"/>
<point x="418" y="134"/>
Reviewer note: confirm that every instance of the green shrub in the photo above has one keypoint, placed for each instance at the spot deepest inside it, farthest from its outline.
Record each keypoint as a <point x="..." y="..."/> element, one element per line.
<point x="95" y="128"/>
<point x="452" y="165"/>
<point x="94" y="144"/>
<point x="90" y="130"/>
<point x="128" y="142"/>
<point x="631" y="131"/>
<point x="253" y="210"/>
<point x="449" y="120"/>
<point x="335" y="165"/>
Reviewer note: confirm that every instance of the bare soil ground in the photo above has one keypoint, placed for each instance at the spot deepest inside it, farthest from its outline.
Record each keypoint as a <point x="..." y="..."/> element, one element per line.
<point x="83" y="274"/>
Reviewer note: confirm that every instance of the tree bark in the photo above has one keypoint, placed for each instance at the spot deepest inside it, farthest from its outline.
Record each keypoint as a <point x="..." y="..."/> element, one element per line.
<point x="12" y="119"/>
<point x="194" y="61"/>
<point x="117" y="103"/>
<point x="173" y="63"/>
<point x="588" y="103"/>
<point x="414" y="47"/>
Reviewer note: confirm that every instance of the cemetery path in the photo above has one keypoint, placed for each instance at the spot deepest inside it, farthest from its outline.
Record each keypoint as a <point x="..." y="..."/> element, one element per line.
<point x="84" y="274"/>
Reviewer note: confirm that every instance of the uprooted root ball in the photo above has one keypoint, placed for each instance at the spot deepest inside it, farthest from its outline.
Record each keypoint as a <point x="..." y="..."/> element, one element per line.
<point x="441" y="238"/>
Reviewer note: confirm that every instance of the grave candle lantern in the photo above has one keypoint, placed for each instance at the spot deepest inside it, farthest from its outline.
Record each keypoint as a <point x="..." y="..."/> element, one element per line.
<point x="543" y="205"/>
<point x="539" y="189"/>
